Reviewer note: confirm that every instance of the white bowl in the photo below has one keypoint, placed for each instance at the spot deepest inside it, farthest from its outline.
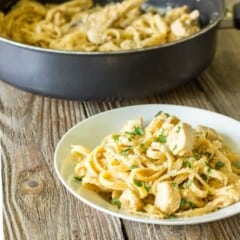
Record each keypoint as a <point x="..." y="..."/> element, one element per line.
<point x="92" y="130"/>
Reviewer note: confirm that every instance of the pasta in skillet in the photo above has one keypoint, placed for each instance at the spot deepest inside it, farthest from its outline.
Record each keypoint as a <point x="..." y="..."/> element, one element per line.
<point x="78" y="25"/>
<point x="167" y="169"/>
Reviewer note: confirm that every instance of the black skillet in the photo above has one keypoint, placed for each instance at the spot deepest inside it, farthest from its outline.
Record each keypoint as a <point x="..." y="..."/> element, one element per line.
<point x="127" y="74"/>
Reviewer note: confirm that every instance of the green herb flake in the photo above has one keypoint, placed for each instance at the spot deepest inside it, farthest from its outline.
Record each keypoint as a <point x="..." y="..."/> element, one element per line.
<point x="159" y="113"/>
<point x="147" y="187"/>
<point x="174" y="148"/>
<point x="209" y="170"/>
<point x="133" y="166"/>
<point x="208" y="154"/>
<point x="162" y="139"/>
<point x="187" y="163"/>
<point x="137" y="131"/>
<point x="183" y="203"/>
<point x="174" y="184"/>
<point x="79" y="179"/>
<point x="143" y="147"/>
<point x="192" y="205"/>
<point x="189" y="183"/>
<point x="184" y="163"/>
<point x="116" y="137"/>
<point x="178" y="129"/>
<point x="204" y="176"/>
<point x="171" y="216"/>
<point x="125" y="151"/>
<point x="137" y="183"/>
<point x="196" y="155"/>
<point x="206" y="134"/>
<point x="116" y="202"/>
<point x="219" y="165"/>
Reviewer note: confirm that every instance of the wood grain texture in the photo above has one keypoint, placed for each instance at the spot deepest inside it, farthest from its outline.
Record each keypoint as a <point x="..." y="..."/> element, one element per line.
<point x="37" y="206"/>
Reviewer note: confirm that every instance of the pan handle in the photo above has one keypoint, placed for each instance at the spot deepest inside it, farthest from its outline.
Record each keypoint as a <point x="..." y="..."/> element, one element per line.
<point x="236" y="14"/>
<point x="231" y="18"/>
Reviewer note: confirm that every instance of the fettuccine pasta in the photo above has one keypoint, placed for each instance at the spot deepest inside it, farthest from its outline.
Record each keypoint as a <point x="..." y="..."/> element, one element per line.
<point x="78" y="25"/>
<point x="165" y="170"/>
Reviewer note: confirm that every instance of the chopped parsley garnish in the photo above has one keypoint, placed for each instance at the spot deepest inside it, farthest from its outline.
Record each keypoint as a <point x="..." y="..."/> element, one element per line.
<point x="125" y="151"/>
<point x="133" y="166"/>
<point x="159" y="113"/>
<point x="192" y="205"/>
<point x="208" y="154"/>
<point x="137" y="131"/>
<point x="189" y="183"/>
<point x="79" y="179"/>
<point x="183" y="203"/>
<point x="116" y="202"/>
<point x="196" y="155"/>
<point x="209" y="170"/>
<point x="204" y="176"/>
<point x="162" y="139"/>
<point x="187" y="163"/>
<point x="137" y="183"/>
<point x="219" y="165"/>
<point x="147" y="187"/>
<point x="174" y="184"/>
<point x="174" y="148"/>
<point x="141" y="184"/>
<point x="143" y="147"/>
<point x="178" y="129"/>
<point x="116" y="137"/>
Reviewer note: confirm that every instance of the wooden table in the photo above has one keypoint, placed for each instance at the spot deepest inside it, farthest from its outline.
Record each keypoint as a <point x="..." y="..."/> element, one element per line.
<point x="37" y="206"/>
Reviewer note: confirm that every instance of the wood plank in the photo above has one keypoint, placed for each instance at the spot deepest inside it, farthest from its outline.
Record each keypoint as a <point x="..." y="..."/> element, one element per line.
<point x="221" y="81"/>
<point x="36" y="205"/>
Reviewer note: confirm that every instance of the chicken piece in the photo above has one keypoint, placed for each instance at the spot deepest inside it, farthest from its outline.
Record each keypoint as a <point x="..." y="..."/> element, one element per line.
<point x="130" y="201"/>
<point x="97" y="22"/>
<point x="167" y="198"/>
<point x="231" y="192"/>
<point x="131" y="124"/>
<point x="181" y="139"/>
<point x="185" y="26"/>
<point x="176" y="13"/>
<point x="228" y="195"/>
